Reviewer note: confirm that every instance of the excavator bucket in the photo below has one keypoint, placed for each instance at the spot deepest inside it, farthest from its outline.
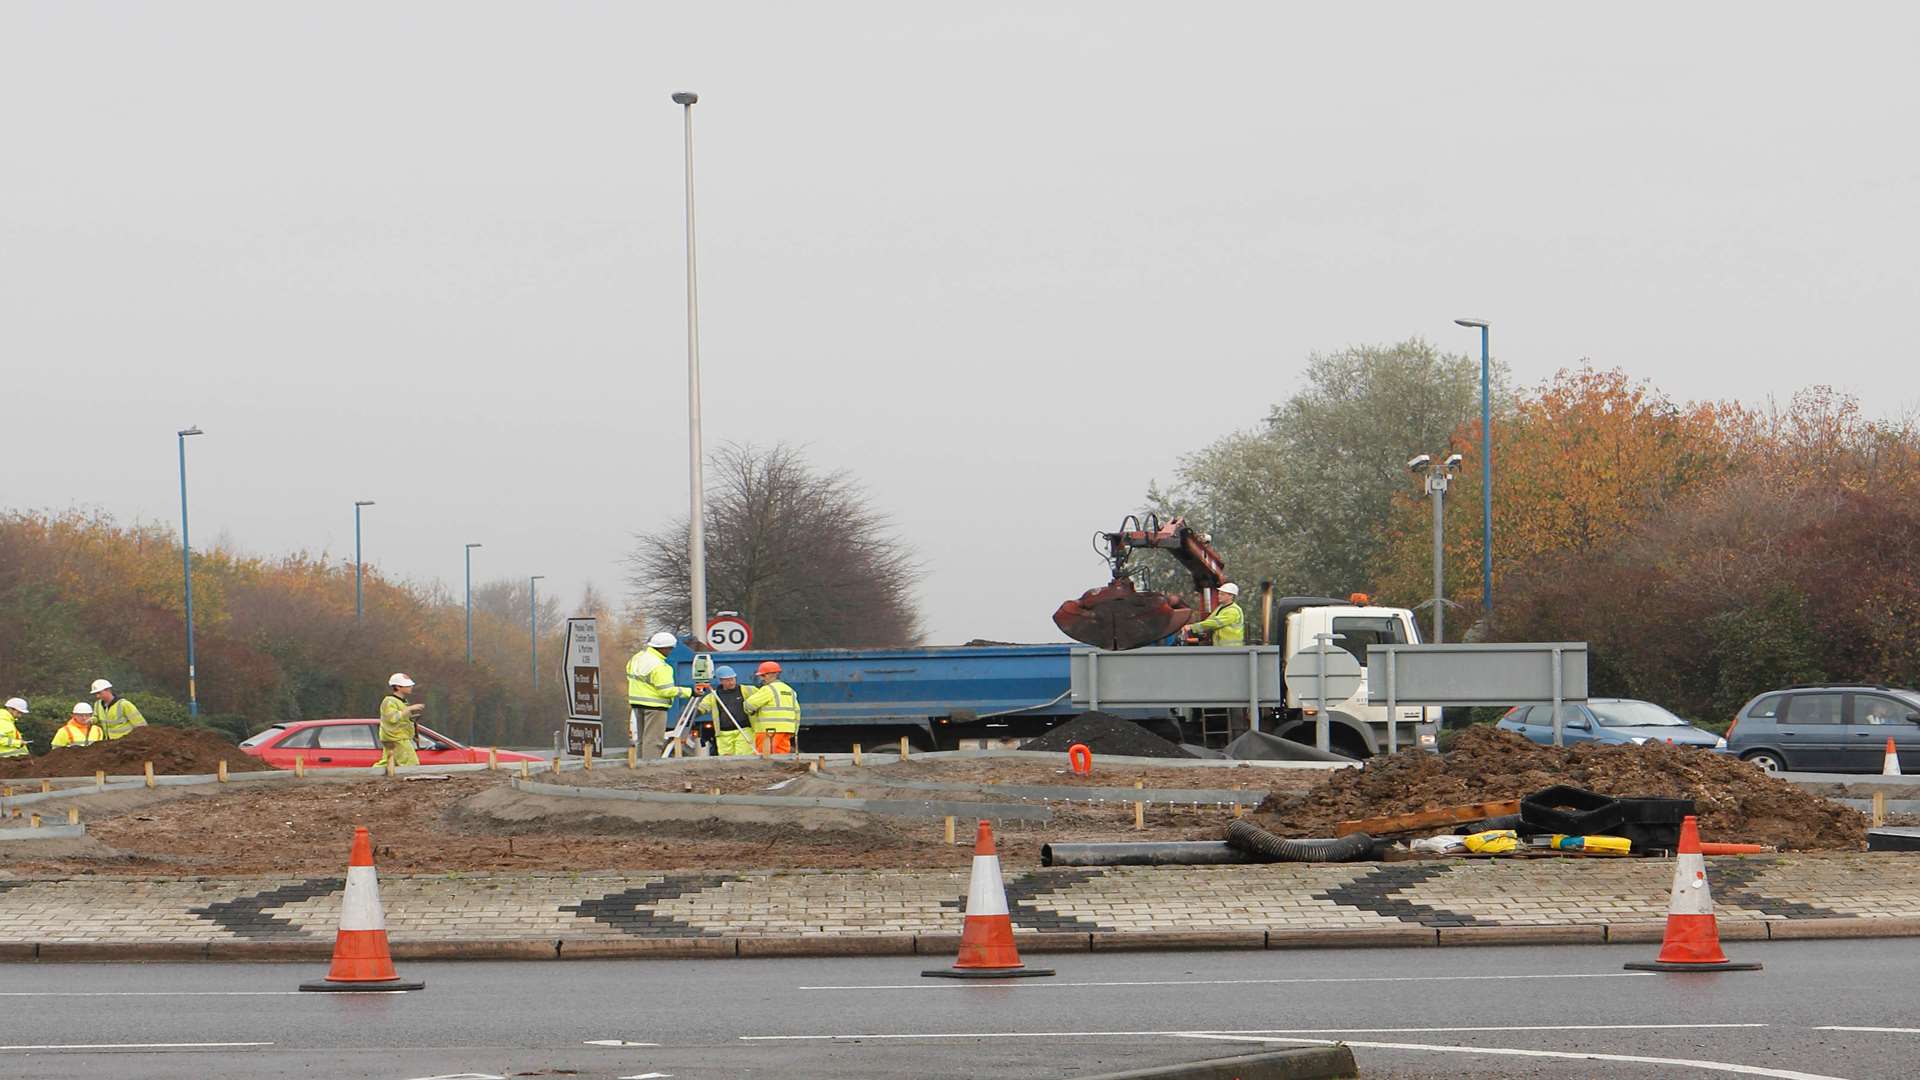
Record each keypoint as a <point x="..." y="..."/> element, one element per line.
<point x="1117" y="616"/>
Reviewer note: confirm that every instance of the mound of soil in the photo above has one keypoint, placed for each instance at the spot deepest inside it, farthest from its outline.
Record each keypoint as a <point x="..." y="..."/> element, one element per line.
<point x="1736" y="802"/>
<point x="173" y="751"/>
<point x="1104" y="733"/>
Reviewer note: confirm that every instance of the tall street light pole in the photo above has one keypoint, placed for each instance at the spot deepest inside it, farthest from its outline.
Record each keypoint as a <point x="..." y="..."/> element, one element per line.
<point x="1486" y="466"/>
<point x="470" y="548"/>
<point x="1437" y="480"/>
<point x="186" y="570"/>
<point x="359" y="598"/>
<point x="533" y="637"/>
<point x="696" y="524"/>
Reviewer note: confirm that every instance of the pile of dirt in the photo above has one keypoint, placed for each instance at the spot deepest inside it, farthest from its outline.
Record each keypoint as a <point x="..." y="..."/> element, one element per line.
<point x="1104" y="733"/>
<point x="1736" y="802"/>
<point x="173" y="751"/>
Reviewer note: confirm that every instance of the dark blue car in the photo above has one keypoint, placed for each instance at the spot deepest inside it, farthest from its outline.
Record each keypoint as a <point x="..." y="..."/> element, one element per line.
<point x="1608" y="720"/>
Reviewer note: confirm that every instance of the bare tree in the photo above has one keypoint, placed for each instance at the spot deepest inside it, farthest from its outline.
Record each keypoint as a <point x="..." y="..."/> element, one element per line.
<point x="802" y="555"/>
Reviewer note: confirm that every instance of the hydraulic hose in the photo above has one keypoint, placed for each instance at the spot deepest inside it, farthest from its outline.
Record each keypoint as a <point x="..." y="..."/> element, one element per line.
<point x="1254" y="840"/>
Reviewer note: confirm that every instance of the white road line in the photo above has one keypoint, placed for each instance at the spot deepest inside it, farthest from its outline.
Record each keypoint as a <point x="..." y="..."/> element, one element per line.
<point x="137" y="1046"/>
<point x="1888" y="1031"/>
<point x="1033" y="984"/>
<point x="1242" y="1033"/>
<point x="1571" y="1055"/>
<point x="149" y="993"/>
<point x="617" y="1042"/>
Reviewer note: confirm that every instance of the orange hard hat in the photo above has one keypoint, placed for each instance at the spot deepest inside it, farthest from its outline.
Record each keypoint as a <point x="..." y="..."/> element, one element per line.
<point x="767" y="667"/>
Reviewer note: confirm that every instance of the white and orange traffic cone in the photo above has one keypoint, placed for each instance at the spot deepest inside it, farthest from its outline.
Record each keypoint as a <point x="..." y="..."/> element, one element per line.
<point x="986" y="939"/>
<point x="1890" y="765"/>
<point x="1692" y="940"/>
<point x="361" y="960"/>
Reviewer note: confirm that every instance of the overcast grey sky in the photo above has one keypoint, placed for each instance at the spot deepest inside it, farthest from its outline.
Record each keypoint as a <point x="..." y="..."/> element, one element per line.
<point x="431" y="253"/>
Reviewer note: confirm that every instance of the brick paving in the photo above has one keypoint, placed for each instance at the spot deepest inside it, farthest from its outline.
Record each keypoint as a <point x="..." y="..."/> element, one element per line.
<point x="717" y="906"/>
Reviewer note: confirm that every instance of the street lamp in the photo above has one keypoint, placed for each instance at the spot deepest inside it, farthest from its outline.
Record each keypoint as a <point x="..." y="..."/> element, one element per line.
<point x="696" y="525"/>
<point x="470" y="548"/>
<point x="186" y="569"/>
<point x="1486" y="466"/>
<point x="359" y="599"/>
<point x="533" y="614"/>
<point x="1421" y="465"/>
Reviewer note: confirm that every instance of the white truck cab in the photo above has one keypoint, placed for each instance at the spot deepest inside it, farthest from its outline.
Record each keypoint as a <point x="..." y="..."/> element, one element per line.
<point x="1356" y="728"/>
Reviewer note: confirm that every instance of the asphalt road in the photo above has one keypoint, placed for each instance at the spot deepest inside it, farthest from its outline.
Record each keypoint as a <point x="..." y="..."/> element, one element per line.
<point x="1409" y="1013"/>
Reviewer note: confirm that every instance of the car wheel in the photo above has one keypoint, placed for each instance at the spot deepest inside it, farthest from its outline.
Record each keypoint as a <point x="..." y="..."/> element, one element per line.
<point x="1768" y="760"/>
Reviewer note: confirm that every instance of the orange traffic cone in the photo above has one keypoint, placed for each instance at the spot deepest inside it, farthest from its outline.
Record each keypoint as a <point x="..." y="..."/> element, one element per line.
<point x="1692" y="941"/>
<point x="361" y="959"/>
<point x="1890" y="765"/>
<point x="986" y="940"/>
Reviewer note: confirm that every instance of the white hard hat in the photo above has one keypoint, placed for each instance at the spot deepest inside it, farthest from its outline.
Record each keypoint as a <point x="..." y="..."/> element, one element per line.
<point x="1230" y="589"/>
<point x="399" y="678"/>
<point x="661" y="640"/>
<point x="81" y="708"/>
<point x="99" y="685"/>
<point x="18" y="705"/>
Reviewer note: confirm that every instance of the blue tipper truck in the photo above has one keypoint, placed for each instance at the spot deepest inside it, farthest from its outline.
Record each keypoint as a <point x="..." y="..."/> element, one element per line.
<point x="939" y="695"/>
<point x="933" y="695"/>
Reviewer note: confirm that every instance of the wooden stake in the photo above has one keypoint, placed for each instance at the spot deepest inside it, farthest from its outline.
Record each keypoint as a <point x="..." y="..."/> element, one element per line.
<point x="6" y="791"/>
<point x="1139" y="816"/>
<point x="149" y="771"/>
<point x="33" y="821"/>
<point x="813" y="766"/>
<point x="46" y="786"/>
<point x="300" y="766"/>
<point x="493" y="759"/>
<point x="99" y="778"/>
<point x="949" y="828"/>
<point x="856" y="753"/>
<point x="850" y="794"/>
<point x="526" y="772"/>
<point x="903" y="748"/>
<point x="390" y="773"/>
<point x="713" y="791"/>
<point x="633" y="757"/>
<point x="73" y="815"/>
<point x="556" y="763"/>
<point x="220" y="771"/>
<point x="586" y="757"/>
<point x="1879" y="808"/>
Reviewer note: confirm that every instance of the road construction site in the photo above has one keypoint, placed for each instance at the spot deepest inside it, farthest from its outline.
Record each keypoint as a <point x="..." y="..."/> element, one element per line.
<point x="885" y="810"/>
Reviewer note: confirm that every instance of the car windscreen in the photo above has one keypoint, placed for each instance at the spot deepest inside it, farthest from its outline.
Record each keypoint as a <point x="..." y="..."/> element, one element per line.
<point x="256" y="740"/>
<point x="1633" y="714"/>
<point x="1909" y="697"/>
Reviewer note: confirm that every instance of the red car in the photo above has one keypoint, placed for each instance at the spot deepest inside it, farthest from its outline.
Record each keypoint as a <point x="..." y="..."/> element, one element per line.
<point x="352" y="744"/>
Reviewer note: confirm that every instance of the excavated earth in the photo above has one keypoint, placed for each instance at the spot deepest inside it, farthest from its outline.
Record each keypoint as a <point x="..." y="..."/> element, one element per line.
<point x="1735" y="802"/>
<point x="173" y="751"/>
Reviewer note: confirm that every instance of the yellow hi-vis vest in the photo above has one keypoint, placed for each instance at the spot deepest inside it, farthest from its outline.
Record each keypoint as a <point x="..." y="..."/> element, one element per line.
<point x="650" y="680"/>
<point x="396" y="723"/>
<point x="774" y="707"/>
<point x="11" y="744"/>
<point x="72" y="735"/>
<point x="1228" y="623"/>
<point x="119" y="719"/>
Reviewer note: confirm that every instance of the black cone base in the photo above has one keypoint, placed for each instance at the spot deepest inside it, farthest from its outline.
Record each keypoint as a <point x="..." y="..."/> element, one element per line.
<point x="325" y="987"/>
<point x="986" y="973"/>
<point x="1656" y="965"/>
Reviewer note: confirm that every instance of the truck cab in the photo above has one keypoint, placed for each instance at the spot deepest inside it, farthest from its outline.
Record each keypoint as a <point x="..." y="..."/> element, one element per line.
<point x="1356" y="728"/>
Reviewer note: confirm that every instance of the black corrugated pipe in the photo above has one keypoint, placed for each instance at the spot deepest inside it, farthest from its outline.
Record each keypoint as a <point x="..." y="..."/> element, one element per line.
<point x="1254" y="840"/>
<point x="1167" y="853"/>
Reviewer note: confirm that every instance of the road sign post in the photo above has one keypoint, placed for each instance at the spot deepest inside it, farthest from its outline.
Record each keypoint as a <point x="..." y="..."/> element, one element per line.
<point x="581" y="677"/>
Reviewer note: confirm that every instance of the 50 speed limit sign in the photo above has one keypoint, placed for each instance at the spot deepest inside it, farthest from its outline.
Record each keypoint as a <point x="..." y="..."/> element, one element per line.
<point x="729" y="634"/>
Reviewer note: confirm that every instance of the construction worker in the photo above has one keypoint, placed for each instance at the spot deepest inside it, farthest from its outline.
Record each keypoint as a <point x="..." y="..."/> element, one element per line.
<point x="650" y="692"/>
<point x="396" y="723"/>
<point x="11" y="744"/>
<point x="1228" y="623"/>
<point x="79" y="730"/>
<point x="116" y="714"/>
<point x="725" y="707"/>
<point x="774" y="710"/>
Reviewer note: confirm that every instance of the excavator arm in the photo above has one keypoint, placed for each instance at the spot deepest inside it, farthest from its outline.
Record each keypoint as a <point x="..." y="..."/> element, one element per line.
<point x="1119" y="616"/>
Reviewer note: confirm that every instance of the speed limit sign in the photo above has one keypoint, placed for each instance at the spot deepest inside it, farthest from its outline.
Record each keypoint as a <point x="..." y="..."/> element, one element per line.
<point x="729" y="633"/>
